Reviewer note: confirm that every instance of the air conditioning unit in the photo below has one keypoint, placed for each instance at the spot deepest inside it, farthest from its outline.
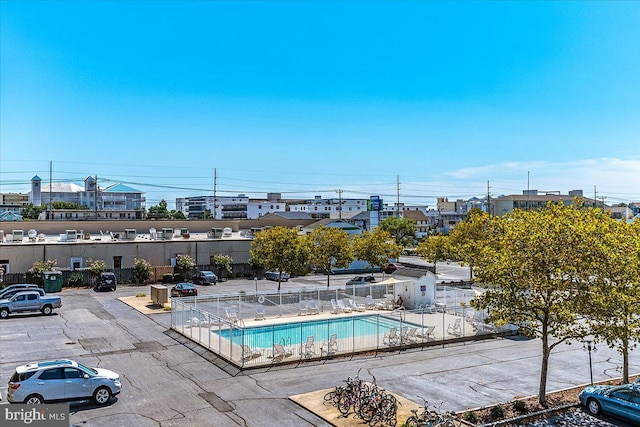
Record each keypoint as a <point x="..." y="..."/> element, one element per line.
<point x="18" y="235"/>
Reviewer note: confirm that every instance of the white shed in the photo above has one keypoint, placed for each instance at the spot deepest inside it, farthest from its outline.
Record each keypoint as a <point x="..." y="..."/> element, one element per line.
<point x="420" y="292"/>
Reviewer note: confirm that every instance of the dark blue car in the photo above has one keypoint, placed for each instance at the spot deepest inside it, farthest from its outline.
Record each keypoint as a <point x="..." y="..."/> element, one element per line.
<point x="621" y="401"/>
<point x="184" y="290"/>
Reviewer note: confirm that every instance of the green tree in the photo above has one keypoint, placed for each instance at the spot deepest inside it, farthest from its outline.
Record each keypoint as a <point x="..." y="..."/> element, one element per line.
<point x="68" y="205"/>
<point x="403" y="230"/>
<point x="466" y="238"/>
<point x="206" y="214"/>
<point x="142" y="270"/>
<point x="223" y="263"/>
<point x="31" y="211"/>
<point x="97" y="266"/>
<point x="176" y="215"/>
<point x="376" y="248"/>
<point x="184" y="264"/>
<point x="39" y="268"/>
<point x="329" y="247"/>
<point x="158" y="212"/>
<point x="280" y="248"/>
<point x="533" y="264"/>
<point x="612" y="303"/>
<point x="434" y="249"/>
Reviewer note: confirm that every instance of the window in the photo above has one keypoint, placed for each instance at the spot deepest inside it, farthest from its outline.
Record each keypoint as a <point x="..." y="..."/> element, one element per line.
<point x="73" y="373"/>
<point x="32" y="297"/>
<point x="21" y="298"/>
<point x="117" y="262"/>
<point x="52" y="374"/>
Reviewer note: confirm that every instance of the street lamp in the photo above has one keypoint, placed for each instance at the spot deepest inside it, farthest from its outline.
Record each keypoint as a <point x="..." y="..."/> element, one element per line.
<point x="589" y="345"/>
<point x="255" y="280"/>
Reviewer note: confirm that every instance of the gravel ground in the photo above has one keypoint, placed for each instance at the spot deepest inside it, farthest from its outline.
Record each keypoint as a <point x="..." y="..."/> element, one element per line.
<point x="573" y="418"/>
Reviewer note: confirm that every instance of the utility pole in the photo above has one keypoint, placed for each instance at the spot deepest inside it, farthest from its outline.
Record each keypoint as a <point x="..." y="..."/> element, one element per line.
<point x="398" y="195"/>
<point x="50" y="190"/>
<point x="215" y="179"/>
<point x="95" y="196"/>
<point x="339" y="203"/>
<point x="488" y="199"/>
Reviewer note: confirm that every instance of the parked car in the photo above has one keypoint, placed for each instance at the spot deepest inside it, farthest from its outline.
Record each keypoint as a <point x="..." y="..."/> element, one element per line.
<point x="621" y="401"/>
<point x="184" y="290"/>
<point x="11" y="290"/>
<point x="107" y="280"/>
<point x="273" y="275"/>
<point x="391" y="268"/>
<point x="205" y="278"/>
<point x="29" y="301"/>
<point x="61" y="380"/>
<point x="361" y="280"/>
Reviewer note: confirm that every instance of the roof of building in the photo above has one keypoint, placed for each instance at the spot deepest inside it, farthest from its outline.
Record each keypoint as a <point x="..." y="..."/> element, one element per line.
<point x="415" y="215"/>
<point x="329" y="222"/>
<point x="290" y="215"/>
<point x="121" y="188"/>
<point x="62" y="187"/>
<point x="10" y="216"/>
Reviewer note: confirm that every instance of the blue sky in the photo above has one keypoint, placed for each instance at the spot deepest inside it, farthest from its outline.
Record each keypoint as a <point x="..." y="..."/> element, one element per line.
<point x="309" y="97"/>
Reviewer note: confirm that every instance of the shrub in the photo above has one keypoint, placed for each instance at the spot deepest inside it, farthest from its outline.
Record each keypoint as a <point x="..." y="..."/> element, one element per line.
<point x="519" y="406"/>
<point x="97" y="266"/>
<point x="39" y="267"/>
<point x="167" y="278"/>
<point x="497" y="411"/>
<point x="470" y="416"/>
<point x="184" y="263"/>
<point x="141" y="295"/>
<point x="178" y="277"/>
<point x="142" y="270"/>
<point x="75" y="280"/>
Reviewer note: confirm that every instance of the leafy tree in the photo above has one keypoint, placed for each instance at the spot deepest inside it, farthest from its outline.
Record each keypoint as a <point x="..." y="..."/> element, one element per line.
<point x="68" y="205"/>
<point x="466" y="237"/>
<point x="205" y="215"/>
<point x="31" y="211"/>
<point x="158" y="212"/>
<point x="223" y="263"/>
<point x="184" y="263"/>
<point x="403" y="230"/>
<point x="97" y="266"/>
<point x="434" y="249"/>
<point x="174" y="214"/>
<point x="279" y="248"/>
<point x="533" y="264"/>
<point x="329" y="247"/>
<point x="39" y="268"/>
<point x="376" y="248"/>
<point x="612" y="304"/>
<point x="142" y="270"/>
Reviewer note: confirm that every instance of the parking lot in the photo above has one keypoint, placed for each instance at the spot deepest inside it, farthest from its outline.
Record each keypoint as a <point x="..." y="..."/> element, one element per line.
<point x="167" y="382"/>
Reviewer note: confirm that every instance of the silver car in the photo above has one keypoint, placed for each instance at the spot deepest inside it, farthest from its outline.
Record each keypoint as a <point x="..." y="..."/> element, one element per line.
<point x="61" y="380"/>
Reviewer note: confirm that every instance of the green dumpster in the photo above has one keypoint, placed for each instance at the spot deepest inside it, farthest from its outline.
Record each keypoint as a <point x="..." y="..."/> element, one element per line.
<point x="52" y="281"/>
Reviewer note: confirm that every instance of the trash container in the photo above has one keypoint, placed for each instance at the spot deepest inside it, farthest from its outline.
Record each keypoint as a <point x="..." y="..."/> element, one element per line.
<point x="52" y="281"/>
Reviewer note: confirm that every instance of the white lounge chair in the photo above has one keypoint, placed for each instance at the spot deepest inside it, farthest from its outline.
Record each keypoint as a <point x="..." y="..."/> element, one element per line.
<point x="280" y="353"/>
<point x="259" y="312"/>
<point x="232" y="316"/>
<point x="302" y="308"/>
<point x="313" y="307"/>
<point x="330" y="347"/>
<point x="355" y="306"/>
<point x="335" y="308"/>
<point x="308" y="349"/>
<point x="409" y="336"/>
<point x="249" y="354"/>
<point x="391" y="338"/>
<point x="427" y="333"/>
<point x="369" y="303"/>
<point x="343" y="307"/>
<point x="455" y="328"/>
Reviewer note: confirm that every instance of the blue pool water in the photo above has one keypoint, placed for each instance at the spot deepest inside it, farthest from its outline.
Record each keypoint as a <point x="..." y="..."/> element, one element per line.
<point x="296" y="333"/>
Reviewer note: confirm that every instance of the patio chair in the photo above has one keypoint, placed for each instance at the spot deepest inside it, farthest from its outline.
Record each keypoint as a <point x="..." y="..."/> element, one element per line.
<point x="335" y="308"/>
<point x="409" y="336"/>
<point x="249" y="354"/>
<point x="259" y="312"/>
<point x="308" y="349"/>
<point x="331" y="346"/>
<point x="427" y="333"/>
<point x="343" y="307"/>
<point x="391" y="338"/>
<point x="455" y="328"/>
<point x="351" y="303"/>
<point x="232" y="316"/>
<point x="302" y="308"/>
<point x="279" y="353"/>
<point x="369" y="303"/>
<point x="313" y="307"/>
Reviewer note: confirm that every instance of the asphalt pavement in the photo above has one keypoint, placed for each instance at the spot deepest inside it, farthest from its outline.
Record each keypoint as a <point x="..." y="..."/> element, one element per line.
<point x="167" y="383"/>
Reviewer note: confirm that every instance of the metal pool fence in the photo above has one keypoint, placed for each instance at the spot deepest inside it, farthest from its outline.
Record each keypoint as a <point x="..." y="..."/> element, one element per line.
<point x="258" y="329"/>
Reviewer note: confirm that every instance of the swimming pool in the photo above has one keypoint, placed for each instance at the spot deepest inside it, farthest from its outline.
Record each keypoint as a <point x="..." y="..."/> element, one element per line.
<point x="360" y="327"/>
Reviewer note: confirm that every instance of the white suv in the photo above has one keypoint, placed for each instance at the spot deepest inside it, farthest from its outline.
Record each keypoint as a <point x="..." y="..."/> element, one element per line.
<point x="61" y="380"/>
